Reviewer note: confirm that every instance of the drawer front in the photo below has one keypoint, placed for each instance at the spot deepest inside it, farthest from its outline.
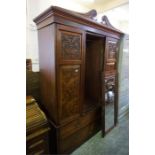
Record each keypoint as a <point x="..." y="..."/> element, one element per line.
<point x="71" y="142"/>
<point x="37" y="150"/>
<point x="38" y="145"/>
<point x="80" y="122"/>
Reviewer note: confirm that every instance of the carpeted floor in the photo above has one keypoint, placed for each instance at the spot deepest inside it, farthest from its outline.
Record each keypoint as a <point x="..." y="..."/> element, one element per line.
<point x="115" y="142"/>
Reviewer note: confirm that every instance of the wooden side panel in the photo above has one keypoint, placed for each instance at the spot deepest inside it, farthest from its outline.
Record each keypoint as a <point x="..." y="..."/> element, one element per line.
<point x="47" y="62"/>
<point x="69" y="92"/>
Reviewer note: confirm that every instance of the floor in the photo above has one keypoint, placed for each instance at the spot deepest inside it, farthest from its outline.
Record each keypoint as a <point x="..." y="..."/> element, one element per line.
<point x="115" y="142"/>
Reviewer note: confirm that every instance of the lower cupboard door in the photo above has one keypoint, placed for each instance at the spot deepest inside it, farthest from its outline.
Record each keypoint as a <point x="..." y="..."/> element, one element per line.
<point x="69" y="92"/>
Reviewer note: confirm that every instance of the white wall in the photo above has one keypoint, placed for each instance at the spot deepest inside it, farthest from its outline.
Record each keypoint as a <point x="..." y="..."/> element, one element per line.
<point x="118" y="17"/>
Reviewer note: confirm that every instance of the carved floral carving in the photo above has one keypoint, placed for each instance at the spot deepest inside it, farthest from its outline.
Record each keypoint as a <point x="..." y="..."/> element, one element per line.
<point x="71" y="46"/>
<point x="112" y="49"/>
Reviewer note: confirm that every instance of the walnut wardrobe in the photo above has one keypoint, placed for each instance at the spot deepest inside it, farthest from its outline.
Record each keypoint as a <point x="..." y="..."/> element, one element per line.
<point x="78" y="59"/>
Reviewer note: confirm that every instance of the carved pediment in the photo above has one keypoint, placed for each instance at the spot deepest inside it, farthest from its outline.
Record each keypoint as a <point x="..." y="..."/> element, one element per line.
<point x="106" y="22"/>
<point x="88" y="18"/>
<point x="90" y="14"/>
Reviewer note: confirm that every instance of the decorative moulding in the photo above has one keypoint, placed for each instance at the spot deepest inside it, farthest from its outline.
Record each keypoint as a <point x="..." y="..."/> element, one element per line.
<point x="88" y="18"/>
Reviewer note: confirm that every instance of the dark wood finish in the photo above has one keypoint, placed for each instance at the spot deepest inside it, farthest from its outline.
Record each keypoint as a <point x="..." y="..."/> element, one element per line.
<point x="105" y="21"/>
<point x="68" y="144"/>
<point x="70" y="52"/>
<point x="47" y="61"/>
<point x="90" y="14"/>
<point x="36" y="128"/>
<point x="69" y="92"/>
<point x="47" y="17"/>
<point x="69" y="72"/>
<point x="76" y="55"/>
<point x="93" y="67"/>
<point x="112" y="48"/>
<point x="79" y="123"/>
<point x="69" y="136"/>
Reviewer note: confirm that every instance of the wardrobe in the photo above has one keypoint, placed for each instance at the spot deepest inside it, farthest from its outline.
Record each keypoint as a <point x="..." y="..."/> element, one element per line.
<point x="78" y="59"/>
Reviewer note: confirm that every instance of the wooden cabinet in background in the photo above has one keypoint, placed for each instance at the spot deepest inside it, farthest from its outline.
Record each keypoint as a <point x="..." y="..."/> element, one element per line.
<point x="37" y="129"/>
<point x="76" y="56"/>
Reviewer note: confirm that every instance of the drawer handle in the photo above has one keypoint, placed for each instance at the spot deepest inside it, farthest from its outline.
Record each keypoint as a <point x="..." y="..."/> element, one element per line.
<point x="111" y="63"/>
<point x="35" y="144"/>
<point x="76" y="70"/>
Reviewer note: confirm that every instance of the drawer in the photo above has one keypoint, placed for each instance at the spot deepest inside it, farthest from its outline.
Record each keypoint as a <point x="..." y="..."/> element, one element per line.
<point x="35" y="138"/>
<point x="71" y="142"/>
<point x="37" y="148"/>
<point x="81" y="122"/>
<point x="37" y="145"/>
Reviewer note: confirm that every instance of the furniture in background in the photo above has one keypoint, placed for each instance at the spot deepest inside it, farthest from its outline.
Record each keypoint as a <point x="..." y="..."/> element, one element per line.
<point x="78" y="59"/>
<point x="33" y="85"/>
<point x="37" y="129"/>
<point x="32" y="82"/>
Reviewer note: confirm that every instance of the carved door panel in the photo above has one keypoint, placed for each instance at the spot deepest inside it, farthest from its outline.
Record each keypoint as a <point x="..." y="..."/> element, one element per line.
<point x="69" y="92"/>
<point x="69" y="44"/>
<point x="70" y="72"/>
<point x="111" y="53"/>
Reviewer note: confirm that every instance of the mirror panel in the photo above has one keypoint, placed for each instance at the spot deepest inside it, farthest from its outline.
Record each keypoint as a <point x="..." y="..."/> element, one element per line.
<point x="109" y="103"/>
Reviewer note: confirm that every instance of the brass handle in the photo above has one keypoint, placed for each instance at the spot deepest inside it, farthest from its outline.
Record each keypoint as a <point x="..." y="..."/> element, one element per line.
<point x="76" y="70"/>
<point x="110" y="63"/>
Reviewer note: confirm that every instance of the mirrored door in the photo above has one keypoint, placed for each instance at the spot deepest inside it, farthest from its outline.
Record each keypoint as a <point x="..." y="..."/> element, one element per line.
<point x="109" y="109"/>
<point x="109" y="103"/>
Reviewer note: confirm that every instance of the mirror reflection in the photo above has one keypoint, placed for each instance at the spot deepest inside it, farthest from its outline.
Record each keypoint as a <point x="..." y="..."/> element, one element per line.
<point x="109" y="105"/>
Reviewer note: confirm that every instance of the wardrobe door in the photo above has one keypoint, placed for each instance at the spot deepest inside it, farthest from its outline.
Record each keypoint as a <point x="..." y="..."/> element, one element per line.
<point x="110" y="92"/>
<point x="70" y="70"/>
<point x="69" y="91"/>
<point x="109" y="102"/>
